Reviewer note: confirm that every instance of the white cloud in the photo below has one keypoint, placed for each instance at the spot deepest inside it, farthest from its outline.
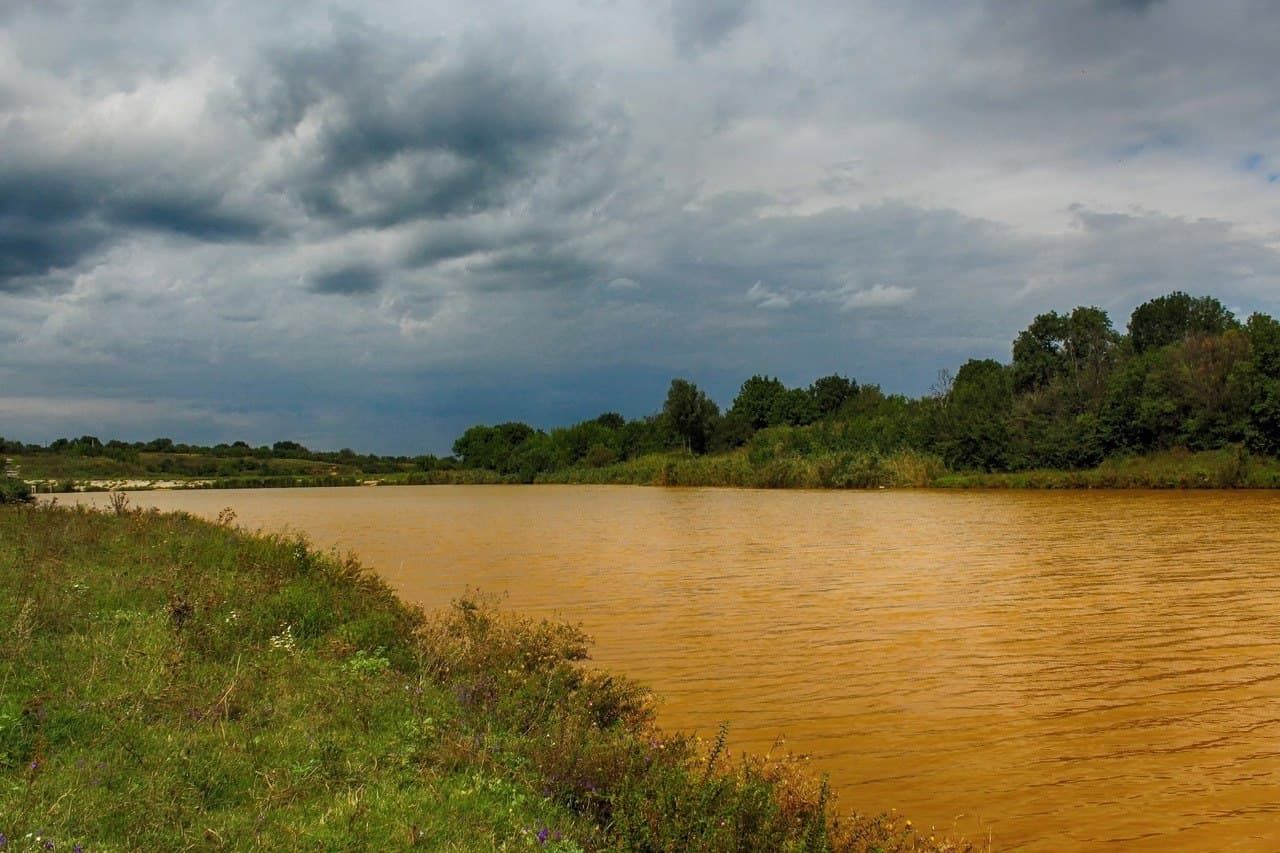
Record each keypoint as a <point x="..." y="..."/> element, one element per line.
<point x="877" y="296"/>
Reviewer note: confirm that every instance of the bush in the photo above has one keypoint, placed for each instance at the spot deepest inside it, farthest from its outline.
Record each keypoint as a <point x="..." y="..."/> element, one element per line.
<point x="13" y="490"/>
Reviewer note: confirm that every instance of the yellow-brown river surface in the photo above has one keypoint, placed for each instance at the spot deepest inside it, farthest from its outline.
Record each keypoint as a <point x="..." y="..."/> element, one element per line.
<point x="1060" y="670"/>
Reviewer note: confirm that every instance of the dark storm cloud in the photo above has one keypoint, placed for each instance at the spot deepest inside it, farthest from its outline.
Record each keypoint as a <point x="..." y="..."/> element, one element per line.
<point x="408" y="130"/>
<point x="28" y="254"/>
<point x="188" y="216"/>
<point x="51" y="220"/>
<point x="346" y="281"/>
<point x="538" y="267"/>
<point x="698" y="25"/>
<point x="43" y="227"/>
<point x="1129" y="5"/>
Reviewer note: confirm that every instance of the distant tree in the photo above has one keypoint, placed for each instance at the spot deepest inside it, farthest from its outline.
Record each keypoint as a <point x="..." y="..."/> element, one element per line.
<point x="794" y="407"/>
<point x="571" y="444"/>
<point x="492" y="447"/>
<point x="1077" y="348"/>
<point x="1090" y="350"/>
<point x="829" y="393"/>
<point x="691" y="413"/>
<point x="975" y="432"/>
<point x="611" y="420"/>
<point x="652" y="434"/>
<point x="759" y="403"/>
<point x="1201" y="393"/>
<point x="732" y="430"/>
<point x="1169" y="319"/>
<point x="1038" y="353"/>
<point x="288" y="448"/>
<point x="1264" y="408"/>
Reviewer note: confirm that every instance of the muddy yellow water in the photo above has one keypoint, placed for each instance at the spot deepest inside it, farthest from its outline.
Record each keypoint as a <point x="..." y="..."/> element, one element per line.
<point x="1058" y="671"/>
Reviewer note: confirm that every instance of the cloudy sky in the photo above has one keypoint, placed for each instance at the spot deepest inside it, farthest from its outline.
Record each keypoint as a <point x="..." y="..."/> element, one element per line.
<point x="371" y="225"/>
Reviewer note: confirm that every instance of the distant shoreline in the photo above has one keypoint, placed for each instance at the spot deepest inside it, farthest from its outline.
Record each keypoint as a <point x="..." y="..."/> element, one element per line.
<point x="1228" y="468"/>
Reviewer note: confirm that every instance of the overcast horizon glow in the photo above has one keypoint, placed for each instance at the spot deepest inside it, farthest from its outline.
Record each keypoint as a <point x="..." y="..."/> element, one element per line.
<point x="350" y="226"/>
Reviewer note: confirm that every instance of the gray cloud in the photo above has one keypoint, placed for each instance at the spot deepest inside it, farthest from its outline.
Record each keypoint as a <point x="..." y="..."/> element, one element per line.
<point x="1138" y="6"/>
<point x="407" y="130"/>
<point x="698" y="25"/>
<point x="337" y="221"/>
<point x="346" y="281"/>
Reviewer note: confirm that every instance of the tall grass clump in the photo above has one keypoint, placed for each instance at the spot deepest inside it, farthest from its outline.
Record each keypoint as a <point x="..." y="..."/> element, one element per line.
<point x="171" y="683"/>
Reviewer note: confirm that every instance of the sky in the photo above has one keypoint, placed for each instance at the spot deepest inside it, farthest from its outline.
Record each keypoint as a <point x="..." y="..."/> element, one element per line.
<point x="373" y="225"/>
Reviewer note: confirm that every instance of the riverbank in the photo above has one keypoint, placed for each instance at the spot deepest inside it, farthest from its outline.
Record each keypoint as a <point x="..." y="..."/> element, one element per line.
<point x="166" y="682"/>
<point x="1227" y="468"/>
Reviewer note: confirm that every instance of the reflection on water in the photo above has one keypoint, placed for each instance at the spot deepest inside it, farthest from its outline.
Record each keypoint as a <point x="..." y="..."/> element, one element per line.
<point x="1066" y="671"/>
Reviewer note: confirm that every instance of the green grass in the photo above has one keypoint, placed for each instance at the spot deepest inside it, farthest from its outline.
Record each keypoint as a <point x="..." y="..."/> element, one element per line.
<point x="777" y="459"/>
<point x="1228" y="468"/>
<point x="58" y="467"/>
<point x="169" y="683"/>
<point x="832" y="470"/>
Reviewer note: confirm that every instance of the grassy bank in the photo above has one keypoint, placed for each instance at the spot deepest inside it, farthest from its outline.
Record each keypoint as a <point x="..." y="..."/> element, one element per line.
<point x="1227" y="468"/>
<point x="850" y="470"/>
<point x="169" y="683"/>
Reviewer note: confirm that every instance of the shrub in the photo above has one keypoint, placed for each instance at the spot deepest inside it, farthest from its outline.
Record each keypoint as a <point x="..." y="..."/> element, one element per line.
<point x="13" y="490"/>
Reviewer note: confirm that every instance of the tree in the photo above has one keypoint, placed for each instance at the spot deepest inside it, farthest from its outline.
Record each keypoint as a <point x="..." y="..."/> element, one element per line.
<point x="829" y="393"/>
<point x="692" y="414"/>
<point x="611" y="420"/>
<point x="1037" y="353"/>
<point x="1077" y="349"/>
<point x="1264" y="407"/>
<point x="1090" y="350"/>
<point x="1172" y="318"/>
<point x="492" y="447"/>
<point x="975" y="428"/>
<point x="758" y="403"/>
<point x="794" y="407"/>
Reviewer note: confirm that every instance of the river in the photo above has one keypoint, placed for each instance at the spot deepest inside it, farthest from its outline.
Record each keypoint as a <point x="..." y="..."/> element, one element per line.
<point x="1055" y="671"/>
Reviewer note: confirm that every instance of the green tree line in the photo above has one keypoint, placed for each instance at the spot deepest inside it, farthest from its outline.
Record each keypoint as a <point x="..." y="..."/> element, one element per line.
<point x="1185" y="373"/>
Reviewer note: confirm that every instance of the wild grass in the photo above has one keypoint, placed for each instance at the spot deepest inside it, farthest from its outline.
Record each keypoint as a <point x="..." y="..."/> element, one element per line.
<point x="1228" y="468"/>
<point x="451" y="477"/>
<point x="745" y="469"/>
<point x="276" y="482"/>
<point x="171" y="683"/>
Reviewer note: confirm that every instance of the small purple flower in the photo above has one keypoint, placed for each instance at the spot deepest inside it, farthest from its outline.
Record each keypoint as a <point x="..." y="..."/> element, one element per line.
<point x="48" y="844"/>
<point x="543" y="835"/>
<point x="4" y="841"/>
<point x="77" y="848"/>
<point x="34" y="765"/>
